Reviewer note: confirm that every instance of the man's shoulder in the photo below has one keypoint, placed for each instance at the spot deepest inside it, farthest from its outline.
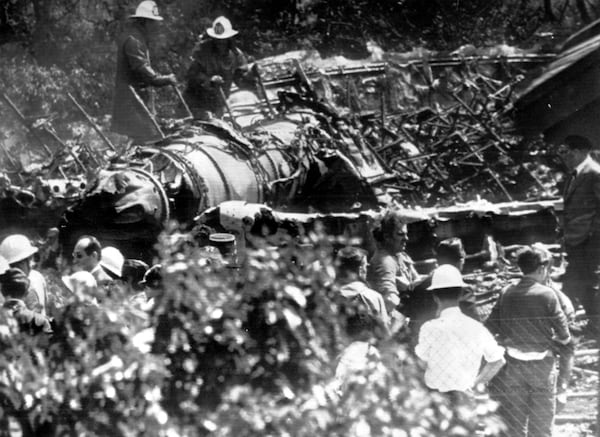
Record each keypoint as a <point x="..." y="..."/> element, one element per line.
<point x="592" y="167"/>
<point x="382" y="257"/>
<point x="132" y="35"/>
<point x="535" y="289"/>
<point x="202" y="48"/>
<point x="36" y="277"/>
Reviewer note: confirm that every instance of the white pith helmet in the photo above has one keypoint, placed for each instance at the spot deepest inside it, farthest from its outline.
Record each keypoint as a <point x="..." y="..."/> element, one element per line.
<point x="112" y="260"/>
<point x="3" y="265"/>
<point x="221" y="29"/>
<point x="446" y="276"/>
<point x="80" y="282"/>
<point x="16" y="247"/>
<point x="147" y="9"/>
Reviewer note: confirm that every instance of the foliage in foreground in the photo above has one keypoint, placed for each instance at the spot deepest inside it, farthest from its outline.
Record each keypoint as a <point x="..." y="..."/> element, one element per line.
<point x="224" y="352"/>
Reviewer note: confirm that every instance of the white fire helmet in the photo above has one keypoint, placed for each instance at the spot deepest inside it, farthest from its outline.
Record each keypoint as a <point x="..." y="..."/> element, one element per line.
<point x="147" y="9"/>
<point x="221" y="29"/>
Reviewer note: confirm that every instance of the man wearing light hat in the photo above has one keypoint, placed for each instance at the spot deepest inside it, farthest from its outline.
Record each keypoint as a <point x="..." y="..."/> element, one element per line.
<point x="18" y="251"/>
<point x="216" y="64"/>
<point x="453" y="345"/>
<point x="134" y="69"/>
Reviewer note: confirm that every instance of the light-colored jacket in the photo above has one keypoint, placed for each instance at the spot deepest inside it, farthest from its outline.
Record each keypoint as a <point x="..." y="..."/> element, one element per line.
<point x="372" y="300"/>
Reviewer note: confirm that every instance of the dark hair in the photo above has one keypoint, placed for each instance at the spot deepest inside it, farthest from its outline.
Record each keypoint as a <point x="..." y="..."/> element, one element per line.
<point x="451" y="293"/>
<point x="528" y="260"/>
<point x="390" y="223"/>
<point x="153" y="276"/>
<point x="15" y="283"/>
<point x="92" y="246"/>
<point x="133" y="272"/>
<point x="578" y="142"/>
<point x="360" y="323"/>
<point x="350" y="259"/>
<point x="452" y="250"/>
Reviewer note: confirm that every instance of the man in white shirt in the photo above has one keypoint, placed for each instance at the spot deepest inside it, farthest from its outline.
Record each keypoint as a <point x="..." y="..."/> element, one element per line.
<point x="453" y="345"/>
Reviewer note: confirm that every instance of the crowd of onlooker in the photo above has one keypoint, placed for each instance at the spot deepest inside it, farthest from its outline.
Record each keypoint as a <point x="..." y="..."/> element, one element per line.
<point x="521" y="355"/>
<point x="515" y="355"/>
<point x="94" y="272"/>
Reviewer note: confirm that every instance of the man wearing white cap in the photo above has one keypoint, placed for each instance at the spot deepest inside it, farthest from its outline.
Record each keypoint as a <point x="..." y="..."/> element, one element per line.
<point x="453" y="345"/>
<point x="134" y="69"/>
<point x="216" y="64"/>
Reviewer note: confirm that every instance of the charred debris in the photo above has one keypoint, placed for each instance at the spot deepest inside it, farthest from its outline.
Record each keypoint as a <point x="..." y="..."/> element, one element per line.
<point x="426" y="132"/>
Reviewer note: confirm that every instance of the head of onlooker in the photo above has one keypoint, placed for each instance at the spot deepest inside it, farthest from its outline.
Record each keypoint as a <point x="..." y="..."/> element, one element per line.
<point x="392" y="234"/>
<point x="451" y="251"/>
<point x="112" y="261"/>
<point x="14" y="283"/>
<point x="81" y="284"/>
<point x="87" y="253"/>
<point x="351" y="265"/>
<point x="447" y="286"/>
<point x="574" y="149"/>
<point x="133" y="273"/>
<point x="533" y="263"/>
<point x="153" y="281"/>
<point x="18" y="251"/>
<point x="546" y="256"/>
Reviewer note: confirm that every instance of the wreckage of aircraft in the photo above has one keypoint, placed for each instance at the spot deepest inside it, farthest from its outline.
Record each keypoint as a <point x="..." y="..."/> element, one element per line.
<point x="294" y="162"/>
<point x="296" y="152"/>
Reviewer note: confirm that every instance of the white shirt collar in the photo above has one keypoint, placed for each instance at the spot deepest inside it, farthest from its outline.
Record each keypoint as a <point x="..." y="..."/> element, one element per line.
<point x="450" y="311"/>
<point x="583" y="164"/>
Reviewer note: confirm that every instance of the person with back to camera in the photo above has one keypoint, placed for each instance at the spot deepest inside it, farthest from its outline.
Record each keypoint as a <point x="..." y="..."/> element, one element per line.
<point x="351" y="274"/>
<point x="421" y="305"/>
<point x="453" y="345"/>
<point x="528" y="321"/>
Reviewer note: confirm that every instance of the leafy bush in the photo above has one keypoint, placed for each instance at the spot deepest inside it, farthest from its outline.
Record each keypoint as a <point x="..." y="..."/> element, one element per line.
<point x="244" y="352"/>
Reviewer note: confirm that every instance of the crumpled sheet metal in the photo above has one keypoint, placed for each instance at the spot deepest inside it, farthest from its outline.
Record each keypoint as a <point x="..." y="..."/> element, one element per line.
<point x="134" y="195"/>
<point x="232" y="213"/>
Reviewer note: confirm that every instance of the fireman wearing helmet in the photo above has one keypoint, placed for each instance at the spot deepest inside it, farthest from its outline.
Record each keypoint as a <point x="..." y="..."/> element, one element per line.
<point x="18" y="251"/>
<point x="216" y="64"/>
<point x="134" y="69"/>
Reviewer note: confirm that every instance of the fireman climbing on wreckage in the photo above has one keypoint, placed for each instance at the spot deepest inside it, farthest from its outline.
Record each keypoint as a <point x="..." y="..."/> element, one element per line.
<point x="135" y="76"/>
<point x="217" y="63"/>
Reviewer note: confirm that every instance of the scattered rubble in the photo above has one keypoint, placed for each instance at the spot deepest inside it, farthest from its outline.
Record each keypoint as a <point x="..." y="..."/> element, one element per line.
<point x="425" y="131"/>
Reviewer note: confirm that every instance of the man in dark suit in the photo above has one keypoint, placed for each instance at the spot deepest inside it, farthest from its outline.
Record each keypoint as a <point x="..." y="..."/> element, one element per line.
<point x="581" y="225"/>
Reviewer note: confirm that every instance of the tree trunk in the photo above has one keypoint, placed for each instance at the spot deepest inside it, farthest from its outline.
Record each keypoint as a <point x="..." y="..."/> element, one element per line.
<point x="583" y="11"/>
<point x="548" y="11"/>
